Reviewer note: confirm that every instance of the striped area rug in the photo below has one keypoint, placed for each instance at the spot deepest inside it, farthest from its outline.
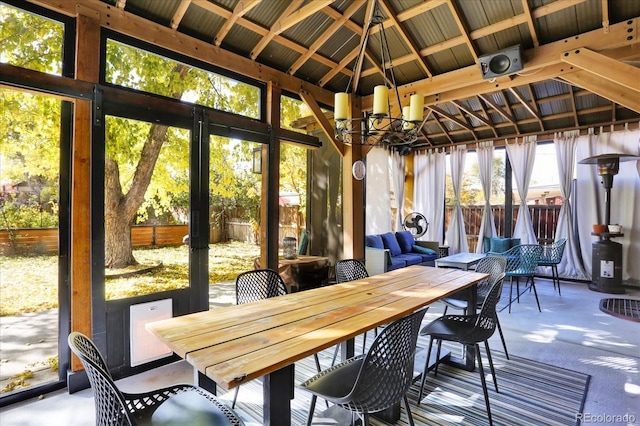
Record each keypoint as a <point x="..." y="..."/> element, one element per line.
<point x="531" y="393"/>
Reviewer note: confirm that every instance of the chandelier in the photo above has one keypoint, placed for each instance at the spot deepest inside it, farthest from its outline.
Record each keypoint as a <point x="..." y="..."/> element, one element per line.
<point x="378" y="127"/>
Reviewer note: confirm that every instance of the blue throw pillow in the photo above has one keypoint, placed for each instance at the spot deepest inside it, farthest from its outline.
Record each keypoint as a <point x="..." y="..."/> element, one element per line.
<point x="500" y="245"/>
<point x="405" y="240"/>
<point x="390" y="242"/>
<point x="374" y="241"/>
<point x="423" y="250"/>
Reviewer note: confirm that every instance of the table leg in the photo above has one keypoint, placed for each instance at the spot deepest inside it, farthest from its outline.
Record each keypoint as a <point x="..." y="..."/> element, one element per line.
<point x="278" y="389"/>
<point x="204" y="382"/>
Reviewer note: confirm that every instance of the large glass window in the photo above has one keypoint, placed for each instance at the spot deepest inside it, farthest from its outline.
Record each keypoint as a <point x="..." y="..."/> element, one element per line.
<point x="146" y="207"/>
<point x="30" y="41"/>
<point x="134" y="68"/>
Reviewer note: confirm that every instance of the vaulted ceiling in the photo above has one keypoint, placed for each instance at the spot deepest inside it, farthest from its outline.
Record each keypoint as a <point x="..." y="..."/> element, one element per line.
<point x="580" y="57"/>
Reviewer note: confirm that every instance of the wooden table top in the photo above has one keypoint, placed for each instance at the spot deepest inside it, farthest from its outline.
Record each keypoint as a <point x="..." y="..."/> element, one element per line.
<point x="239" y="343"/>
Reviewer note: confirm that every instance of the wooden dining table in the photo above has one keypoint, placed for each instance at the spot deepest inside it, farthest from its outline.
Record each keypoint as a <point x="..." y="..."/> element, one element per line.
<point x="235" y="344"/>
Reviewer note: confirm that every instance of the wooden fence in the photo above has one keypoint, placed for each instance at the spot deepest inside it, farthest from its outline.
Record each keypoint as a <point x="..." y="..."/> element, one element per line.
<point x="44" y="241"/>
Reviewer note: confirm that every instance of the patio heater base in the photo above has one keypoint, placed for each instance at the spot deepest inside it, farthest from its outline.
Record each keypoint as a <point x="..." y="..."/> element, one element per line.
<point x="607" y="267"/>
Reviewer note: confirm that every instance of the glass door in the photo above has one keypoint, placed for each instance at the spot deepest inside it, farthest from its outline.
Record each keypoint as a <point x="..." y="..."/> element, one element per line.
<point x="31" y="220"/>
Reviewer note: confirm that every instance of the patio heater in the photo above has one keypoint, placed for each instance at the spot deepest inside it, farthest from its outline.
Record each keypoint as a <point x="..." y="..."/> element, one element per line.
<point x="606" y="257"/>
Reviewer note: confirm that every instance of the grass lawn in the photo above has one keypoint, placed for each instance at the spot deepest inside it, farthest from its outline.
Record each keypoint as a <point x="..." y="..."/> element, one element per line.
<point x="30" y="283"/>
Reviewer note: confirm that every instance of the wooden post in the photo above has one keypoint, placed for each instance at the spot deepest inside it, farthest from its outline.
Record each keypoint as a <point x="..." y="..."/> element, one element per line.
<point x="87" y="69"/>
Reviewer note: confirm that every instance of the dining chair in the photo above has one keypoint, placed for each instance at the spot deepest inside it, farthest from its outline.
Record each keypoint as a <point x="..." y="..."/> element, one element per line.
<point x="467" y="330"/>
<point x="495" y="267"/>
<point x="174" y="405"/>
<point x="351" y="270"/>
<point x="374" y="381"/>
<point x="260" y="284"/>
<point x="551" y="256"/>
<point x="522" y="261"/>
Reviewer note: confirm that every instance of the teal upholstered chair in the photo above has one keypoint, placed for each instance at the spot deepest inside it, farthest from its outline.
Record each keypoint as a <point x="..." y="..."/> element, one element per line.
<point x="522" y="261"/>
<point x="551" y="256"/>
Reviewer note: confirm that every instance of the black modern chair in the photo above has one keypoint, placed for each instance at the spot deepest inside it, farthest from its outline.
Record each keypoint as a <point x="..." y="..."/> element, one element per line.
<point x="351" y="270"/>
<point x="522" y="261"/>
<point x="495" y="267"/>
<point x="551" y="256"/>
<point x="374" y="381"/>
<point x="179" y="404"/>
<point x="467" y="330"/>
<point x="257" y="285"/>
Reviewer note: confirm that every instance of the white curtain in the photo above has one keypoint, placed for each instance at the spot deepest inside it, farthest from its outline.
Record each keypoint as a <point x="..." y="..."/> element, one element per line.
<point x="625" y="197"/>
<point x="571" y="265"/>
<point x="397" y="172"/>
<point x="485" y="164"/>
<point x="456" y="234"/>
<point x="428" y="190"/>
<point x="522" y="156"/>
<point x="378" y="201"/>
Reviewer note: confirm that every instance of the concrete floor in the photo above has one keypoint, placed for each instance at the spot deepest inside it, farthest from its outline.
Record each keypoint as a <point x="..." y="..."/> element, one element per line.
<point x="571" y="332"/>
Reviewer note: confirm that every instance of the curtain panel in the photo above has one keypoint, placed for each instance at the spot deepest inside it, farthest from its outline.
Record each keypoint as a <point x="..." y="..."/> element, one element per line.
<point x="522" y="155"/>
<point x="485" y="165"/>
<point x="429" y="171"/>
<point x="456" y="233"/>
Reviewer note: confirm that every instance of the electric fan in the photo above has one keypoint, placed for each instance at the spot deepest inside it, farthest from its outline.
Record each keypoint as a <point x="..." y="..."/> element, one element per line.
<point x="416" y="223"/>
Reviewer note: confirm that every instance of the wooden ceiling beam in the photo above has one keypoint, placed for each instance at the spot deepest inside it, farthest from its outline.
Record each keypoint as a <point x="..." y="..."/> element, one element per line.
<point x="322" y="119"/>
<point x="275" y="29"/>
<point x="605" y="88"/>
<point x="604" y="67"/>
<point x="530" y="24"/>
<point x="455" y="13"/>
<point x="239" y="11"/>
<point x="451" y="117"/>
<point x="526" y="105"/>
<point x="179" y="14"/>
<point x="322" y="39"/>
<point x="407" y="40"/>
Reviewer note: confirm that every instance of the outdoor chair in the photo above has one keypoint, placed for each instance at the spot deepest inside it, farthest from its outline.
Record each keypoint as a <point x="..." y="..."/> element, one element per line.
<point x="522" y="261"/>
<point x="493" y="265"/>
<point x="174" y="405"/>
<point x="257" y="285"/>
<point x="467" y="330"/>
<point x="551" y="256"/>
<point x="374" y="381"/>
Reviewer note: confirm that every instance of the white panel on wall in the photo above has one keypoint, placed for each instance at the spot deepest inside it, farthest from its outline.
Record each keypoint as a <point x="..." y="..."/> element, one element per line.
<point x="145" y="347"/>
<point x="378" y="202"/>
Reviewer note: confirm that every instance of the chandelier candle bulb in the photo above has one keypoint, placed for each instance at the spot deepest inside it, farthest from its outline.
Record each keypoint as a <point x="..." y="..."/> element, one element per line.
<point x="416" y="103"/>
<point x="380" y="100"/>
<point x="406" y="125"/>
<point x="341" y="108"/>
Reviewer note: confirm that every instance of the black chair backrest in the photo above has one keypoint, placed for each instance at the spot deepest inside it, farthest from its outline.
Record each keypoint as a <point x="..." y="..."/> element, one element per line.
<point x="111" y="407"/>
<point x="350" y="270"/>
<point x="492" y="265"/>
<point x="487" y="320"/>
<point x="259" y="284"/>
<point x="386" y="373"/>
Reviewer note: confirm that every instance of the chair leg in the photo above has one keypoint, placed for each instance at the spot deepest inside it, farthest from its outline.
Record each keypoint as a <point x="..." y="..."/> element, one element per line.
<point x="424" y="371"/>
<point x="445" y="310"/>
<point x="312" y="408"/>
<point x="484" y="384"/>
<point x="235" y="397"/>
<point x="435" y="369"/>
<point x="533" y="285"/>
<point x="493" y="371"/>
<point x="317" y="360"/>
<point x="554" y="271"/>
<point x="518" y="288"/>
<point x="504" y="344"/>
<point x="510" y="292"/>
<point x="406" y="407"/>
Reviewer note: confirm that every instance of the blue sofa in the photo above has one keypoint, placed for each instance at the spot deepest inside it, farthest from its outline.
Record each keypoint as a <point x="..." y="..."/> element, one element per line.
<point x="389" y="251"/>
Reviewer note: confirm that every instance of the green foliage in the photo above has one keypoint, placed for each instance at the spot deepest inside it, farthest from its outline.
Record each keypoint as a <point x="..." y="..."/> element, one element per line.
<point x="16" y="216"/>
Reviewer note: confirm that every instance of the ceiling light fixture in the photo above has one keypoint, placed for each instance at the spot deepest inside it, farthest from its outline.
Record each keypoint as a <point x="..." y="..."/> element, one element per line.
<point x="378" y="127"/>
